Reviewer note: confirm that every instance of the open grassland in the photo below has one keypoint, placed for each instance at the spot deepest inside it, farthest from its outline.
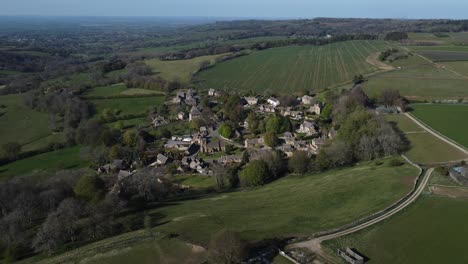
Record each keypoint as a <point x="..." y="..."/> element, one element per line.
<point x="433" y="230"/>
<point x="165" y="250"/>
<point x="420" y="82"/>
<point x="118" y="90"/>
<point x="449" y="120"/>
<point x="181" y="70"/>
<point x="196" y="181"/>
<point x="425" y="148"/>
<point x="460" y="67"/>
<point x="128" y="106"/>
<point x="21" y="124"/>
<point x="69" y="80"/>
<point x="459" y="38"/>
<point x="68" y="158"/>
<point x="298" y="204"/>
<point x="294" y="68"/>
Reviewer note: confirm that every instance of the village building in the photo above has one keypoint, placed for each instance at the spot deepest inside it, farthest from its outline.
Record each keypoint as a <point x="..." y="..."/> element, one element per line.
<point x="190" y="100"/>
<point x="177" y="144"/>
<point x="177" y="100"/>
<point x="317" y="144"/>
<point x="307" y="100"/>
<point x="161" y="159"/>
<point x="288" y="112"/>
<point x="251" y="100"/>
<point x="211" y="92"/>
<point x="273" y="101"/>
<point x="116" y="165"/>
<point x="387" y="110"/>
<point x="309" y="128"/>
<point x="159" y="121"/>
<point x="194" y="113"/>
<point x="316" y="109"/>
<point x="350" y="256"/>
<point x="459" y="174"/>
<point x="332" y="133"/>
<point x="213" y="146"/>
<point x="230" y="159"/>
<point x="287" y="149"/>
<point x="254" y="143"/>
<point x="181" y="115"/>
<point x="266" y="109"/>
<point x="289" y="138"/>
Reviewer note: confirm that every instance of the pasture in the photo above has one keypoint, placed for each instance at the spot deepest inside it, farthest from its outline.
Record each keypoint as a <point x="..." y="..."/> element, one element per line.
<point x="441" y="56"/>
<point x="68" y="158"/>
<point x="118" y="90"/>
<point x="128" y="106"/>
<point x="300" y="205"/>
<point x="181" y="70"/>
<point x="430" y="231"/>
<point x="294" y="68"/>
<point x="425" y="148"/>
<point x="420" y="82"/>
<point x="21" y="124"/>
<point x="449" y="120"/>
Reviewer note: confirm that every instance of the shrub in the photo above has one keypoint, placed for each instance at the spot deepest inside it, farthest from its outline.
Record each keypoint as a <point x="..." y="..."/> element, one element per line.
<point x="255" y="173"/>
<point x="225" y="130"/>
<point x="394" y="163"/>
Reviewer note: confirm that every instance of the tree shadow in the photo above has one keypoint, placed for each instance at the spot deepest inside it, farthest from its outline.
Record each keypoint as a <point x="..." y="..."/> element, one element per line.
<point x="366" y="258"/>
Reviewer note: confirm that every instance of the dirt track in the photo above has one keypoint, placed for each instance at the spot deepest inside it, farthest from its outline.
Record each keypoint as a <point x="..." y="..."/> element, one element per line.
<point x="314" y="244"/>
<point x="373" y="59"/>
<point x="443" y="138"/>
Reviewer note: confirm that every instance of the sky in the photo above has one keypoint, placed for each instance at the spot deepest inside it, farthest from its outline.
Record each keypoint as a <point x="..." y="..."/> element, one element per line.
<point x="456" y="9"/>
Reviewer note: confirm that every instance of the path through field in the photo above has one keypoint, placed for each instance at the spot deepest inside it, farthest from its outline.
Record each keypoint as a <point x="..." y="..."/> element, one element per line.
<point x="314" y="244"/>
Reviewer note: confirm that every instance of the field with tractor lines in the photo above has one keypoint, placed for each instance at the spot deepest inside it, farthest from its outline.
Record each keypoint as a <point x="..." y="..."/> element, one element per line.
<point x="294" y="68"/>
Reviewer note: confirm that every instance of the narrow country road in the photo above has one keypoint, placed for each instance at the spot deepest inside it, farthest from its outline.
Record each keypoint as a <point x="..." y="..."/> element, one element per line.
<point x="433" y="132"/>
<point x="314" y="244"/>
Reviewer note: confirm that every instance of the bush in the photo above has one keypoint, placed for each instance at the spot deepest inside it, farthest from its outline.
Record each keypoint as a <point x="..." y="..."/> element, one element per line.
<point x="225" y="130"/>
<point x="89" y="187"/>
<point x="394" y="163"/>
<point x="255" y="173"/>
<point x="442" y="171"/>
<point x="299" y="162"/>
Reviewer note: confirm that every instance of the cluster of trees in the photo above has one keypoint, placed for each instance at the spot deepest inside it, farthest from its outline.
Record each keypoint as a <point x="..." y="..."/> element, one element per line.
<point x="70" y="207"/>
<point x="396" y="36"/>
<point x="392" y="54"/>
<point x="362" y="135"/>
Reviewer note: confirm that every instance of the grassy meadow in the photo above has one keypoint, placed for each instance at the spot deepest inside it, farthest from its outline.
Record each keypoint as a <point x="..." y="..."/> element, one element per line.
<point x="425" y="148"/>
<point x="18" y="123"/>
<point x="128" y="106"/>
<point x="420" y="82"/>
<point x="430" y="231"/>
<point x="300" y="205"/>
<point x="449" y="120"/>
<point x="68" y="158"/>
<point x="181" y="70"/>
<point x="118" y="90"/>
<point x="294" y="68"/>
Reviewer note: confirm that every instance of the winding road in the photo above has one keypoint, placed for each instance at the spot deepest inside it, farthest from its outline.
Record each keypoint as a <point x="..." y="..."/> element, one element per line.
<point x="314" y="244"/>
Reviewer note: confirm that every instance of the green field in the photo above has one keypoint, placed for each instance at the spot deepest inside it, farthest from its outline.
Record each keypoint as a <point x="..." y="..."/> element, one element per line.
<point x="420" y="82"/>
<point x="300" y="205"/>
<point x="294" y="68"/>
<point x="118" y="90"/>
<point x="425" y="148"/>
<point x="181" y="70"/>
<point x="460" y="67"/>
<point x="68" y="158"/>
<point x="128" y="106"/>
<point x="441" y="56"/>
<point x="433" y="230"/>
<point x="21" y="124"/>
<point x="196" y="181"/>
<point x="449" y="120"/>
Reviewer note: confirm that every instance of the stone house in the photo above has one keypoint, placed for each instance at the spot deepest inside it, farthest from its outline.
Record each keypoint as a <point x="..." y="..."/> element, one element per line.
<point x="251" y="100"/>
<point x="194" y="113"/>
<point x="307" y="100"/>
<point x="266" y="109"/>
<point x="181" y="115"/>
<point x="213" y="146"/>
<point x="254" y="143"/>
<point x="309" y="128"/>
<point x="273" y="101"/>
<point x="316" y="109"/>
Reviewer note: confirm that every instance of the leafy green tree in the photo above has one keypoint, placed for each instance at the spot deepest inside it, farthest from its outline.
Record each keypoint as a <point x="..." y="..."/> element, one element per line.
<point x="272" y="124"/>
<point x="270" y="139"/>
<point x="225" y="130"/>
<point x="255" y="173"/>
<point x="130" y="138"/>
<point x="89" y="187"/>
